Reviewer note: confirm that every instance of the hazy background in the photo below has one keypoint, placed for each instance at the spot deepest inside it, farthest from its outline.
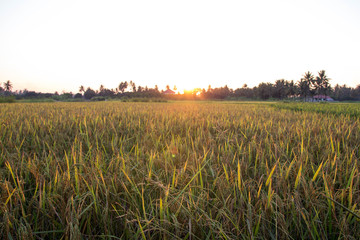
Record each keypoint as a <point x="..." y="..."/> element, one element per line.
<point x="59" y="45"/>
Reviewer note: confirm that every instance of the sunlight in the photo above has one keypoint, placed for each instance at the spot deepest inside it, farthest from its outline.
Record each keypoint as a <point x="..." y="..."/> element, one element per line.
<point x="185" y="87"/>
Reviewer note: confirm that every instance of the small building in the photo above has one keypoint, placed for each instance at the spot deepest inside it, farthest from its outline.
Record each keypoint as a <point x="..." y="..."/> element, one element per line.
<point x="322" y="98"/>
<point x="168" y="92"/>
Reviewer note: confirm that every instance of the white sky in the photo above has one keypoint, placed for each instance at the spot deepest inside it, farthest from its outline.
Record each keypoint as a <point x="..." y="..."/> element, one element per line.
<point x="59" y="45"/>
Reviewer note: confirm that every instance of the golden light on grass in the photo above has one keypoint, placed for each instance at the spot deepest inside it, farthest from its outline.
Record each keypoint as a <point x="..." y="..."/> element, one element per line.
<point x="155" y="170"/>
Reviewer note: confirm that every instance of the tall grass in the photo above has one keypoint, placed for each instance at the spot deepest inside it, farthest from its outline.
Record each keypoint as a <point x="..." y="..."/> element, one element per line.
<point x="117" y="170"/>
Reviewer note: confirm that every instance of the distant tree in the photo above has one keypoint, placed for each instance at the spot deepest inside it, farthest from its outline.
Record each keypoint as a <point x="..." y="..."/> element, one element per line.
<point x="228" y="90"/>
<point x="203" y="93"/>
<point x="101" y="89"/>
<point x="8" y="86"/>
<point x="133" y="86"/>
<point x="280" y="89"/>
<point x="355" y="93"/>
<point x="123" y="86"/>
<point x="196" y="91"/>
<point x="264" y="90"/>
<point x="321" y="83"/>
<point x="81" y="89"/>
<point x="29" y="94"/>
<point x="89" y="93"/>
<point x="167" y="87"/>
<point x="342" y="93"/>
<point x="218" y="93"/>
<point x="66" y="95"/>
<point x="108" y="92"/>
<point x="208" y="93"/>
<point x="292" y="89"/>
<point x="336" y="92"/>
<point x="245" y="91"/>
<point x="78" y="95"/>
<point x="175" y="88"/>
<point x="304" y="85"/>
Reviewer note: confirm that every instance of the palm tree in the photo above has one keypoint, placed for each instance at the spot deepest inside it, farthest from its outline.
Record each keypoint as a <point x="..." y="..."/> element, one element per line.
<point x="81" y="89"/>
<point x="321" y="83"/>
<point x="8" y="86"/>
<point x="292" y="89"/>
<point x="305" y="85"/>
<point x="133" y="86"/>
<point x="280" y="89"/>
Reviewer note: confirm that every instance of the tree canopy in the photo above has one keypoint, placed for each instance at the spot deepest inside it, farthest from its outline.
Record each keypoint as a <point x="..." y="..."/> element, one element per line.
<point x="304" y="89"/>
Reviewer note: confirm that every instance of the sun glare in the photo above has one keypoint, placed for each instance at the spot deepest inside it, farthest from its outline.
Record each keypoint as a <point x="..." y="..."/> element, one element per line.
<point x="185" y="88"/>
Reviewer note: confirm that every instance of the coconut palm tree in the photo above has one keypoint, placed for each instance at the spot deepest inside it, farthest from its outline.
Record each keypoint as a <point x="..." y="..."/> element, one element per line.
<point x="81" y="89"/>
<point x="292" y="88"/>
<point x="8" y="86"/>
<point x="321" y="83"/>
<point x="305" y="85"/>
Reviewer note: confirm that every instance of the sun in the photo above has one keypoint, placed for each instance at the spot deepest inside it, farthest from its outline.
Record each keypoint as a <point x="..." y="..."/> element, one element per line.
<point x="182" y="88"/>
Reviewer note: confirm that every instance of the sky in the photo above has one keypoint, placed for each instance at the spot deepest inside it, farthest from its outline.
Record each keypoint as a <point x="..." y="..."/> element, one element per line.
<point x="53" y="46"/>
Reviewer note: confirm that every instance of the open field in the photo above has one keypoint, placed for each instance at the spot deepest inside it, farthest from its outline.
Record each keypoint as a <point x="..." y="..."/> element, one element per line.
<point x="115" y="170"/>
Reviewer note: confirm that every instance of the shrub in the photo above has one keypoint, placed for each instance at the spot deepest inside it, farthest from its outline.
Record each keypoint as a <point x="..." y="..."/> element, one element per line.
<point x="98" y="98"/>
<point x="78" y="95"/>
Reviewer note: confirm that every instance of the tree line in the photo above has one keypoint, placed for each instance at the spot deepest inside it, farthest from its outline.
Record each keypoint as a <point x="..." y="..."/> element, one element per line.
<point x="305" y="89"/>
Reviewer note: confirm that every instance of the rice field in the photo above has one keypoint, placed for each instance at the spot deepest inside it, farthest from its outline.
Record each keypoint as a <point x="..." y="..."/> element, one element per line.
<point x="343" y="109"/>
<point x="182" y="170"/>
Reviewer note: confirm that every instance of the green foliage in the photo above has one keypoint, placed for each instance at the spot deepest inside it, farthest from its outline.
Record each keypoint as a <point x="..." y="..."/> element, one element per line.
<point x="115" y="170"/>
<point x="9" y="99"/>
<point x="78" y="95"/>
<point x="89" y="93"/>
<point x="34" y="100"/>
<point x="74" y="100"/>
<point x="98" y="98"/>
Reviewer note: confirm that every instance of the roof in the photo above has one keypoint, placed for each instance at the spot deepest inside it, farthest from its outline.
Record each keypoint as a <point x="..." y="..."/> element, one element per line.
<point x="169" y="91"/>
<point x="322" y="97"/>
